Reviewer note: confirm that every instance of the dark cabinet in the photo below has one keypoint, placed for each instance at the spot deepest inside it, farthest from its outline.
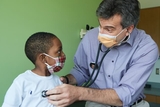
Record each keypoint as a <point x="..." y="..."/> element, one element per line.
<point x="153" y="98"/>
<point x="150" y="22"/>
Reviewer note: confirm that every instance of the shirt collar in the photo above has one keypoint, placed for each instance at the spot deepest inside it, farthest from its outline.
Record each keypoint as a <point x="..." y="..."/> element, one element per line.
<point x="132" y="36"/>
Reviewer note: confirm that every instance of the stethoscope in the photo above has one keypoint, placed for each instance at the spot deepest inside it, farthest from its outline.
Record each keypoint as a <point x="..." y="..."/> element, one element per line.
<point x="96" y="67"/>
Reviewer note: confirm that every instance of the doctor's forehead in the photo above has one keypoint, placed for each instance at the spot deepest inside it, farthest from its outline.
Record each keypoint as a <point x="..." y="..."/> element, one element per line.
<point x="112" y="22"/>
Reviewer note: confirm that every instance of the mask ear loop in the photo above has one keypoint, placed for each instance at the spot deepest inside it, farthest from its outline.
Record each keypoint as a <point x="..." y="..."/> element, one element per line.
<point x="127" y="37"/>
<point x="49" y="56"/>
<point x="122" y="41"/>
<point x="53" y="59"/>
<point x="120" y="32"/>
<point x="48" y="66"/>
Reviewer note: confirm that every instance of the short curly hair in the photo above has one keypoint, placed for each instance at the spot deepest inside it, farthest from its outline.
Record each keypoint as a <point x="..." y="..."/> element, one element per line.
<point x="37" y="43"/>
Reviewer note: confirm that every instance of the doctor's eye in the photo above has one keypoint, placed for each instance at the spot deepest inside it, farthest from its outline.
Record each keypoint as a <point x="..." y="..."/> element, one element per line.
<point x="110" y="30"/>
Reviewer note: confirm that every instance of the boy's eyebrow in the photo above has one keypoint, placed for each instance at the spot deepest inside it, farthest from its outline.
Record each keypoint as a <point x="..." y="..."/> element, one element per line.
<point x="60" y="47"/>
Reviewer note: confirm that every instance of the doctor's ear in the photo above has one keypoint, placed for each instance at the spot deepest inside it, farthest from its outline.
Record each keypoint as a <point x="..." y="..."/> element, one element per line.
<point x="130" y="29"/>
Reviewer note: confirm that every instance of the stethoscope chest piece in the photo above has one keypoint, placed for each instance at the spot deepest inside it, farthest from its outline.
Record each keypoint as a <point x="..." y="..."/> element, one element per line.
<point x="93" y="65"/>
<point x="44" y="93"/>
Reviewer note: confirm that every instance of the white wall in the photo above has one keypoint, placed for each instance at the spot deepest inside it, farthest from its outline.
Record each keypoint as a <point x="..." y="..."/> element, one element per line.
<point x="154" y="77"/>
<point x="148" y="4"/>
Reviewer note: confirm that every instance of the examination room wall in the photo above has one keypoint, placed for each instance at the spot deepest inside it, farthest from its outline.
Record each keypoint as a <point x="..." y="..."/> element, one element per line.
<point x="21" y="18"/>
<point x="148" y="4"/>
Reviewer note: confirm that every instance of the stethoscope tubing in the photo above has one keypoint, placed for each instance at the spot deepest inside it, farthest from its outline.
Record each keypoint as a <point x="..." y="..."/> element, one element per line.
<point x="90" y="80"/>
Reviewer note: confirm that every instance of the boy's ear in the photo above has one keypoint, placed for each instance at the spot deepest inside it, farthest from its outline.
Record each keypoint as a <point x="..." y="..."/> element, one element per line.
<point x="41" y="58"/>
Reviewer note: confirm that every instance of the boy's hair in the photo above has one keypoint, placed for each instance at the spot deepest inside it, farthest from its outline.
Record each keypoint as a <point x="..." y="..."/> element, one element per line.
<point x="38" y="43"/>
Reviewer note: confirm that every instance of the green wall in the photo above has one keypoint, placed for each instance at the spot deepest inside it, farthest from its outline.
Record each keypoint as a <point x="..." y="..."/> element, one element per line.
<point x="20" y="18"/>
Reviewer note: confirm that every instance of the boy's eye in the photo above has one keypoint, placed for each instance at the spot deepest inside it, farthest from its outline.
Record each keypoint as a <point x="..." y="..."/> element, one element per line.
<point x="59" y="52"/>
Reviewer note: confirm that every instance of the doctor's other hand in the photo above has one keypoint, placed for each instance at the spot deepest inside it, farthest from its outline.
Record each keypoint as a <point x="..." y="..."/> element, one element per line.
<point x="63" y="95"/>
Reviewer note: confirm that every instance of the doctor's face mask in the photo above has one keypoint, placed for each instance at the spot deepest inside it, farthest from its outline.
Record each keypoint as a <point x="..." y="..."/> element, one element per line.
<point x="58" y="65"/>
<point x="108" y="40"/>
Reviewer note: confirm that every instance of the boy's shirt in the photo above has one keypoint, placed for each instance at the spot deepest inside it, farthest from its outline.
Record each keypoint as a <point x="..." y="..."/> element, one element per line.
<point x="26" y="90"/>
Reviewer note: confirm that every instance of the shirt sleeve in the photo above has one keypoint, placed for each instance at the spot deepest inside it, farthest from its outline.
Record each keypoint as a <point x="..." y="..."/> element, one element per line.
<point x="134" y="80"/>
<point x="13" y="96"/>
<point x="80" y="70"/>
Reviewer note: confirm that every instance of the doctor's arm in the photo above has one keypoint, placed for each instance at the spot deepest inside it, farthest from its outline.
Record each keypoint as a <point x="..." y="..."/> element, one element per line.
<point x="65" y="94"/>
<point x="130" y="86"/>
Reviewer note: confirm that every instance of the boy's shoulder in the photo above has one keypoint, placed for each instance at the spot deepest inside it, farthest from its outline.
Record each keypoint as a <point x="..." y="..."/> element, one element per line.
<point x="22" y="76"/>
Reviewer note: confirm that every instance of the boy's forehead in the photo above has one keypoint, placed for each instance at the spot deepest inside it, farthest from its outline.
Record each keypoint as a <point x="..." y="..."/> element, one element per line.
<point x="56" y="41"/>
<point x="56" y="44"/>
<point x="55" y="47"/>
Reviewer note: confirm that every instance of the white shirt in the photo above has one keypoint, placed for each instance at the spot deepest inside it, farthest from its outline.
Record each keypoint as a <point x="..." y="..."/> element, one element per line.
<point x="26" y="90"/>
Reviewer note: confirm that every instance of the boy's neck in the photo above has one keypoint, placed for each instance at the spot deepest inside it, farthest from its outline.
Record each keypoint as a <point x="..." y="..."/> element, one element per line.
<point x="40" y="72"/>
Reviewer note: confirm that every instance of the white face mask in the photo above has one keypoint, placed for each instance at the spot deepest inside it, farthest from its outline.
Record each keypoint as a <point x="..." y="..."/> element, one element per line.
<point x="108" y="40"/>
<point x="109" y="36"/>
<point x="58" y="65"/>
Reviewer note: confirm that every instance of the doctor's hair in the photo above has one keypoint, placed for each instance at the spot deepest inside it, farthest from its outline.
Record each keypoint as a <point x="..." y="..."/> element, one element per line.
<point x="129" y="10"/>
<point x="37" y="43"/>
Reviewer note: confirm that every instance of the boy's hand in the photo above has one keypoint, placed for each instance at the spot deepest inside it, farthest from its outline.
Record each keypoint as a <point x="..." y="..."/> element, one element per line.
<point x="64" y="79"/>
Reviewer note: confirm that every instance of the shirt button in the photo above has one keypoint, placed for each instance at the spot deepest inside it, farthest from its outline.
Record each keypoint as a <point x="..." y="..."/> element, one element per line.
<point x="109" y="76"/>
<point x="112" y="60"/>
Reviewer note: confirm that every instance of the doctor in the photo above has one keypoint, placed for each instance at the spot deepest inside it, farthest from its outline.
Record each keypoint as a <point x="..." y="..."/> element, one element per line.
<point x="124" y="70"/>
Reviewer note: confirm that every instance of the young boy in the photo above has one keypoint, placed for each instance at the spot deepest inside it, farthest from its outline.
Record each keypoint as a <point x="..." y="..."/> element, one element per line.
<point x="44" y="50"/>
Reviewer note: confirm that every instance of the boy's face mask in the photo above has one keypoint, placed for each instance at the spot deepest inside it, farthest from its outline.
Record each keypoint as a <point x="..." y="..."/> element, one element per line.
<point x="110" y="41"/>
<point x="58" y="65"/>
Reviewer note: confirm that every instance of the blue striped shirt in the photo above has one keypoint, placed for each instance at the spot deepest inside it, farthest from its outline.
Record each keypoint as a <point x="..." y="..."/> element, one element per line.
<point x="126" y="68"/>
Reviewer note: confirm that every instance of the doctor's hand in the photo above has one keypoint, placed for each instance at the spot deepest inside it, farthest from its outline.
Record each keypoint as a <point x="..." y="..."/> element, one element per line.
<point x="63" y="95"/>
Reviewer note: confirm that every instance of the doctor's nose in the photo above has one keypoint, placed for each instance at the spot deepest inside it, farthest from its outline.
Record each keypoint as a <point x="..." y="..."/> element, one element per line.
<point x="101" y="30"/>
